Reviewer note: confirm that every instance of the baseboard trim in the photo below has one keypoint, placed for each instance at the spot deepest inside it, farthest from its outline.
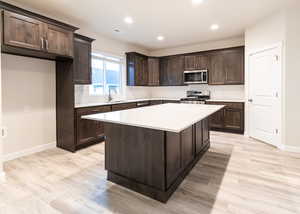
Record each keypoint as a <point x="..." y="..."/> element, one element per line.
<point x="2" y="177"/>
<point x="286" y="148"/>
<point x="15" y="155"/>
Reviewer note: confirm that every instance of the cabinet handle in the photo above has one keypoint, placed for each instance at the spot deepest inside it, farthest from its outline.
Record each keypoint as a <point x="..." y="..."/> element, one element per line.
<point x="47" y="44"/>
<point x="42" y="40"/>
<point x="142" y="104"/>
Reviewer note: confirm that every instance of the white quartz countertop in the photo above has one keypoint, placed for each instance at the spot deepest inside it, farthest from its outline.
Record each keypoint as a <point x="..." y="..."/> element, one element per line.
<point x="165" y="117"/>
<point x="120" y="102"/>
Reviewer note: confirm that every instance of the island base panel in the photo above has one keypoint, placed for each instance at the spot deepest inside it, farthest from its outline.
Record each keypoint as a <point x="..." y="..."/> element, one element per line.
<point x="159" y="195"/>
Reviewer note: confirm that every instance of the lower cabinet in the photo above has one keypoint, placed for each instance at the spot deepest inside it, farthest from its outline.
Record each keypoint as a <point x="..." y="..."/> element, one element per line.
<point x="88" y="131"/>
<point x="187" y="145"/>
<point x="183" y="148"/>
<point x="230" y="119"/>
<point x="201" y="135"/>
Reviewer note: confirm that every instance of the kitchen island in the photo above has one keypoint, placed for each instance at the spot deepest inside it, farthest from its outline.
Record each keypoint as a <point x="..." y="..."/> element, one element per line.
<point x="150" y="150"/>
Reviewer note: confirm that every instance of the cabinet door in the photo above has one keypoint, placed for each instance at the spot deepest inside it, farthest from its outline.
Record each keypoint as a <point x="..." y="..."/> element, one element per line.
<point x="21" y="31"/>
<point x="216" y="71"/>
<point x="175" y="70"/>
<point x="234" y="66"/>
<point x="205" y="129"/>
<point x="82" y="61"/>
<point x="88" y="130"/>
<point x="187" y="146"/>
<point x="189" y="62"/>
<point x="217" y="119"/>
<point x="153" y="71"/>
<point x="163" y="72"/>
<point x="141" y="70"/>
<point x="202" y="62"/>
<point x="59" y="41"/>
<point x="199" y="137"/>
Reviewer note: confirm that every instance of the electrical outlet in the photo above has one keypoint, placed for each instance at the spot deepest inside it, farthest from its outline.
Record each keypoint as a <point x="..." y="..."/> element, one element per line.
<point x="4" y="132"/>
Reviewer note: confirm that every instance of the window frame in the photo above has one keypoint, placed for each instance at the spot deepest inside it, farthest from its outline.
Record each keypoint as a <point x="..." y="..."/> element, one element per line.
<point x="108" y="58"/>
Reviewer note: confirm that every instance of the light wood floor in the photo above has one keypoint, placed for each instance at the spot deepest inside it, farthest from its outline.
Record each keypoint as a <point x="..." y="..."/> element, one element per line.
<point x="238" y="175"/>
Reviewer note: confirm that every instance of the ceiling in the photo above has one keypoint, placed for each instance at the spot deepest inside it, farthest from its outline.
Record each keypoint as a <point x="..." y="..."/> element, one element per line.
<point x="179" y="21"/>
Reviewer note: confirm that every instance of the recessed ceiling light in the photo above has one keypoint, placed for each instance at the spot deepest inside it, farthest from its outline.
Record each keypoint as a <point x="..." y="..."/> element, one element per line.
<point x="195" y="2"/>
<point x="128" y="20"/>
<point x="160" y="38"/>
<point x="214" y="27"/>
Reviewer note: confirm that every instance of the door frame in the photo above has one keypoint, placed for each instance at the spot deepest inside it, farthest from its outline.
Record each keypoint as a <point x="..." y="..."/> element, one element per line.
<point x="280" y="107"/>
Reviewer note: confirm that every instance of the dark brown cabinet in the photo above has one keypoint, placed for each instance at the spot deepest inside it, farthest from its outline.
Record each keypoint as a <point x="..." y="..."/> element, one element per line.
<point x="58" y="41"/>
<point x="201" y="135"/>
<point x="137" y="69"/>
<point x="227" y="67"/>
<point x="188" y="151"/>
<point x="88" y="131"/>
<point x="123" y="106"/>
<point x="156" y="102"/>
<point x="171" y="101"/>
<point x="153" y="71"/>
<point x="230" y="119"/>
<point x="22" y="31"/>
<point x="82" y="59"/>
<point x="196" y="62"/>
<point x="171" y="70"/>
<point x="23" y="34"/>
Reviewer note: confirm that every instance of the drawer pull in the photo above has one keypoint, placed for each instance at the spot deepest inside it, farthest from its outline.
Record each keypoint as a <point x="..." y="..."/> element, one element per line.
<point x="142" y="104"/>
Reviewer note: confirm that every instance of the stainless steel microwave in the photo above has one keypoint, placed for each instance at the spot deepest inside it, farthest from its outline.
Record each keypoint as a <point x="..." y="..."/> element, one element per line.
<point x="196" y="77"/>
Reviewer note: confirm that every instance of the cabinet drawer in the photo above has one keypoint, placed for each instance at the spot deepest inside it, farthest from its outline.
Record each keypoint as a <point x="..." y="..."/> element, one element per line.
<point x="88" y="131"/>
<point x="123" y="106"/>
<point x="156" y="102"/>
<point x="233" y="105"/>
<point x="93" y="110"/>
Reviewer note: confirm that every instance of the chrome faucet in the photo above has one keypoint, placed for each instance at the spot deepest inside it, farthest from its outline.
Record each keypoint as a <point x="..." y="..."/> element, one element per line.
<point x="110" y="98"/>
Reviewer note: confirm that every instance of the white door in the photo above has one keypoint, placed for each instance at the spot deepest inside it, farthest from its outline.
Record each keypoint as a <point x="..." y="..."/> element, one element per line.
<point x="264" y="95"/>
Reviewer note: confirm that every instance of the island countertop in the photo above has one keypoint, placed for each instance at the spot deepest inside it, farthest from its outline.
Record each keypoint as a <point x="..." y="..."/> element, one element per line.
<point x="167" y="117"/>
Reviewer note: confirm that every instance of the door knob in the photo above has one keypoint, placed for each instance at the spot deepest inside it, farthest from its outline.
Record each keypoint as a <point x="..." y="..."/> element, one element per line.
<point x="250" y="100"/>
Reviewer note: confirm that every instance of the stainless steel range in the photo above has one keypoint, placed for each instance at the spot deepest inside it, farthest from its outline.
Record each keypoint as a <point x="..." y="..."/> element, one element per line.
<point x="196" y="97"/>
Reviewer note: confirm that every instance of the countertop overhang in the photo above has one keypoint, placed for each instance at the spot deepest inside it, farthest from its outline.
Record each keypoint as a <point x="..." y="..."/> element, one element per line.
<point x="166" y="117"/>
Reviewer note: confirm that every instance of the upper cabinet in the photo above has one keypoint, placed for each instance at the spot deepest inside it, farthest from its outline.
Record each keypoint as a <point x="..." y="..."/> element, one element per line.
<point x="35" y="36"/>
<point x="196" y="62"/>
<point x="227" y="67"/>
<point x="58" y="40"/>
<point x="22" y="31"/>
<point x="171" y="70"/>
<point x="137" y="69"/>
<point x="82" y="59"/>
<point x="153" y="71"/>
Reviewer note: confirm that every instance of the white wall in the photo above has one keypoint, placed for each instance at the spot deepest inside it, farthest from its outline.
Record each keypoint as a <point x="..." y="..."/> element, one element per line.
<point x="210" y="45"/>
<point x="283" y="27"/>
<point x="267" y="32"/>
<point x="2" y="174"/>
<point x="28" y="103"/>
<point x="292" y="77"/>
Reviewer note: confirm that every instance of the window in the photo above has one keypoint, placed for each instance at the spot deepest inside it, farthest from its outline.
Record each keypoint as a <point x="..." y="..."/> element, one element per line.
<point x="106" y="74"/>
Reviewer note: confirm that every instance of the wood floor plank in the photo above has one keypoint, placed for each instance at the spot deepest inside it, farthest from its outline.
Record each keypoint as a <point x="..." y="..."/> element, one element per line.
<point x="237" y="176"/>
